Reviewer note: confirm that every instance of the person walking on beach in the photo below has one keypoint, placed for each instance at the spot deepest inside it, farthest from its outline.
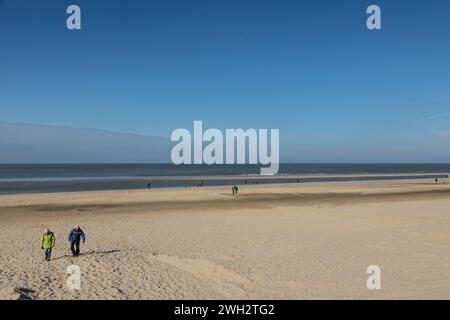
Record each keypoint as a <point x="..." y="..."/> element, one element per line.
<point x="47" y="243"/>
<point x="75" y="236"/>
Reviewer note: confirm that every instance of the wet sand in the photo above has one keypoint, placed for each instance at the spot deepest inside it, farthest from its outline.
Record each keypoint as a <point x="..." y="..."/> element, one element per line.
<point x="49" y="185"/>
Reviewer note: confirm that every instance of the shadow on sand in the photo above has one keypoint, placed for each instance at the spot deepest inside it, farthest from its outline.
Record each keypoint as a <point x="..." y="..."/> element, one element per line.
<point x="24" y="293"/>
<point x="89" y="253"/>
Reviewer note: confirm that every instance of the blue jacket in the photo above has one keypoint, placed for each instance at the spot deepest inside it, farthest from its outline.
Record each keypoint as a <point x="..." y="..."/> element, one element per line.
<point x="75" y="235"/>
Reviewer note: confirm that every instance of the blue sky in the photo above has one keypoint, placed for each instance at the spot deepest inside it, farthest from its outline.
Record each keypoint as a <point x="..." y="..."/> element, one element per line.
<point x="337" y="91"/>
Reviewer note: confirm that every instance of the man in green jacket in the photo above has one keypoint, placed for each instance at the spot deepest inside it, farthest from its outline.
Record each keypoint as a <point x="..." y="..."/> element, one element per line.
<point x="47" y="243"/>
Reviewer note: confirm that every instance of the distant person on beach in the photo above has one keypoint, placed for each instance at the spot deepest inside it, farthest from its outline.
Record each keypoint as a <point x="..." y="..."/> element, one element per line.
<point x="234" y="189"/>
<point x="436" y="180"/>
<point x="75" y="236"/>
<point x="47" y="243"/>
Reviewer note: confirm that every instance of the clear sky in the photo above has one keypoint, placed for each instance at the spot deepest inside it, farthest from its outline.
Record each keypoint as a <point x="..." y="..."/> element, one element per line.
<point x="337" y="91"/>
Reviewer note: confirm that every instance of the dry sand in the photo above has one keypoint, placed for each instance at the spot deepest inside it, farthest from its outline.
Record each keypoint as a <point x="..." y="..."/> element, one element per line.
<point x="310" y="241"/>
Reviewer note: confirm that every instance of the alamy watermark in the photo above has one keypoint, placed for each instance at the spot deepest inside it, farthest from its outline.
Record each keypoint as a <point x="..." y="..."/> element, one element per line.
<point x="73" y="21"/>
<point x="373" y="22"/>
<point x="74" y="280"/>
<point x="235" y="147"/>
<point x="374" y="280"/>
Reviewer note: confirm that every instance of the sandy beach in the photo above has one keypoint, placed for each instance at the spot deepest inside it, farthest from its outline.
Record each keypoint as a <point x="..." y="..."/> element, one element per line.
<point x="290" y="241"/>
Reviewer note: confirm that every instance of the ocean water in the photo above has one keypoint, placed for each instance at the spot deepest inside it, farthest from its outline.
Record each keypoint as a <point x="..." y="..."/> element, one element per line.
<point x="76" y="171"/>
<point x="32" y="178"/>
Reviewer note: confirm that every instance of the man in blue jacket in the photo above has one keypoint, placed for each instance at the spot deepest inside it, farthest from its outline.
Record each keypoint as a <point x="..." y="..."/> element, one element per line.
<point x="74" y="238"/>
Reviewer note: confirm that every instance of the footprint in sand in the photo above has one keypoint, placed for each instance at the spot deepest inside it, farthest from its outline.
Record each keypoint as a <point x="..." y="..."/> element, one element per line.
<point x="227" y="282"/>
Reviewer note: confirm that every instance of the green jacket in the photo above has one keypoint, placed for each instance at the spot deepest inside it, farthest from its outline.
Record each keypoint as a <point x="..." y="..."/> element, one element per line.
<point x="48" y="240"/>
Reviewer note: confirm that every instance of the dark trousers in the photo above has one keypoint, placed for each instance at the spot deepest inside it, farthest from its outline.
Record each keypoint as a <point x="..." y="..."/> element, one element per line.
<point x="75" y="247"/>
<point x="48" y="253"/>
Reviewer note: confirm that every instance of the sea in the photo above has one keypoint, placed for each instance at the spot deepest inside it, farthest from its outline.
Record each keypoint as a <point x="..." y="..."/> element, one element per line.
<point x="38" y="178"/>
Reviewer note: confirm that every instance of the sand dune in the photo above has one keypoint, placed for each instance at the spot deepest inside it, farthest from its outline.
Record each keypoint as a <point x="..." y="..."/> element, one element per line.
<point x="305" y="241"/>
